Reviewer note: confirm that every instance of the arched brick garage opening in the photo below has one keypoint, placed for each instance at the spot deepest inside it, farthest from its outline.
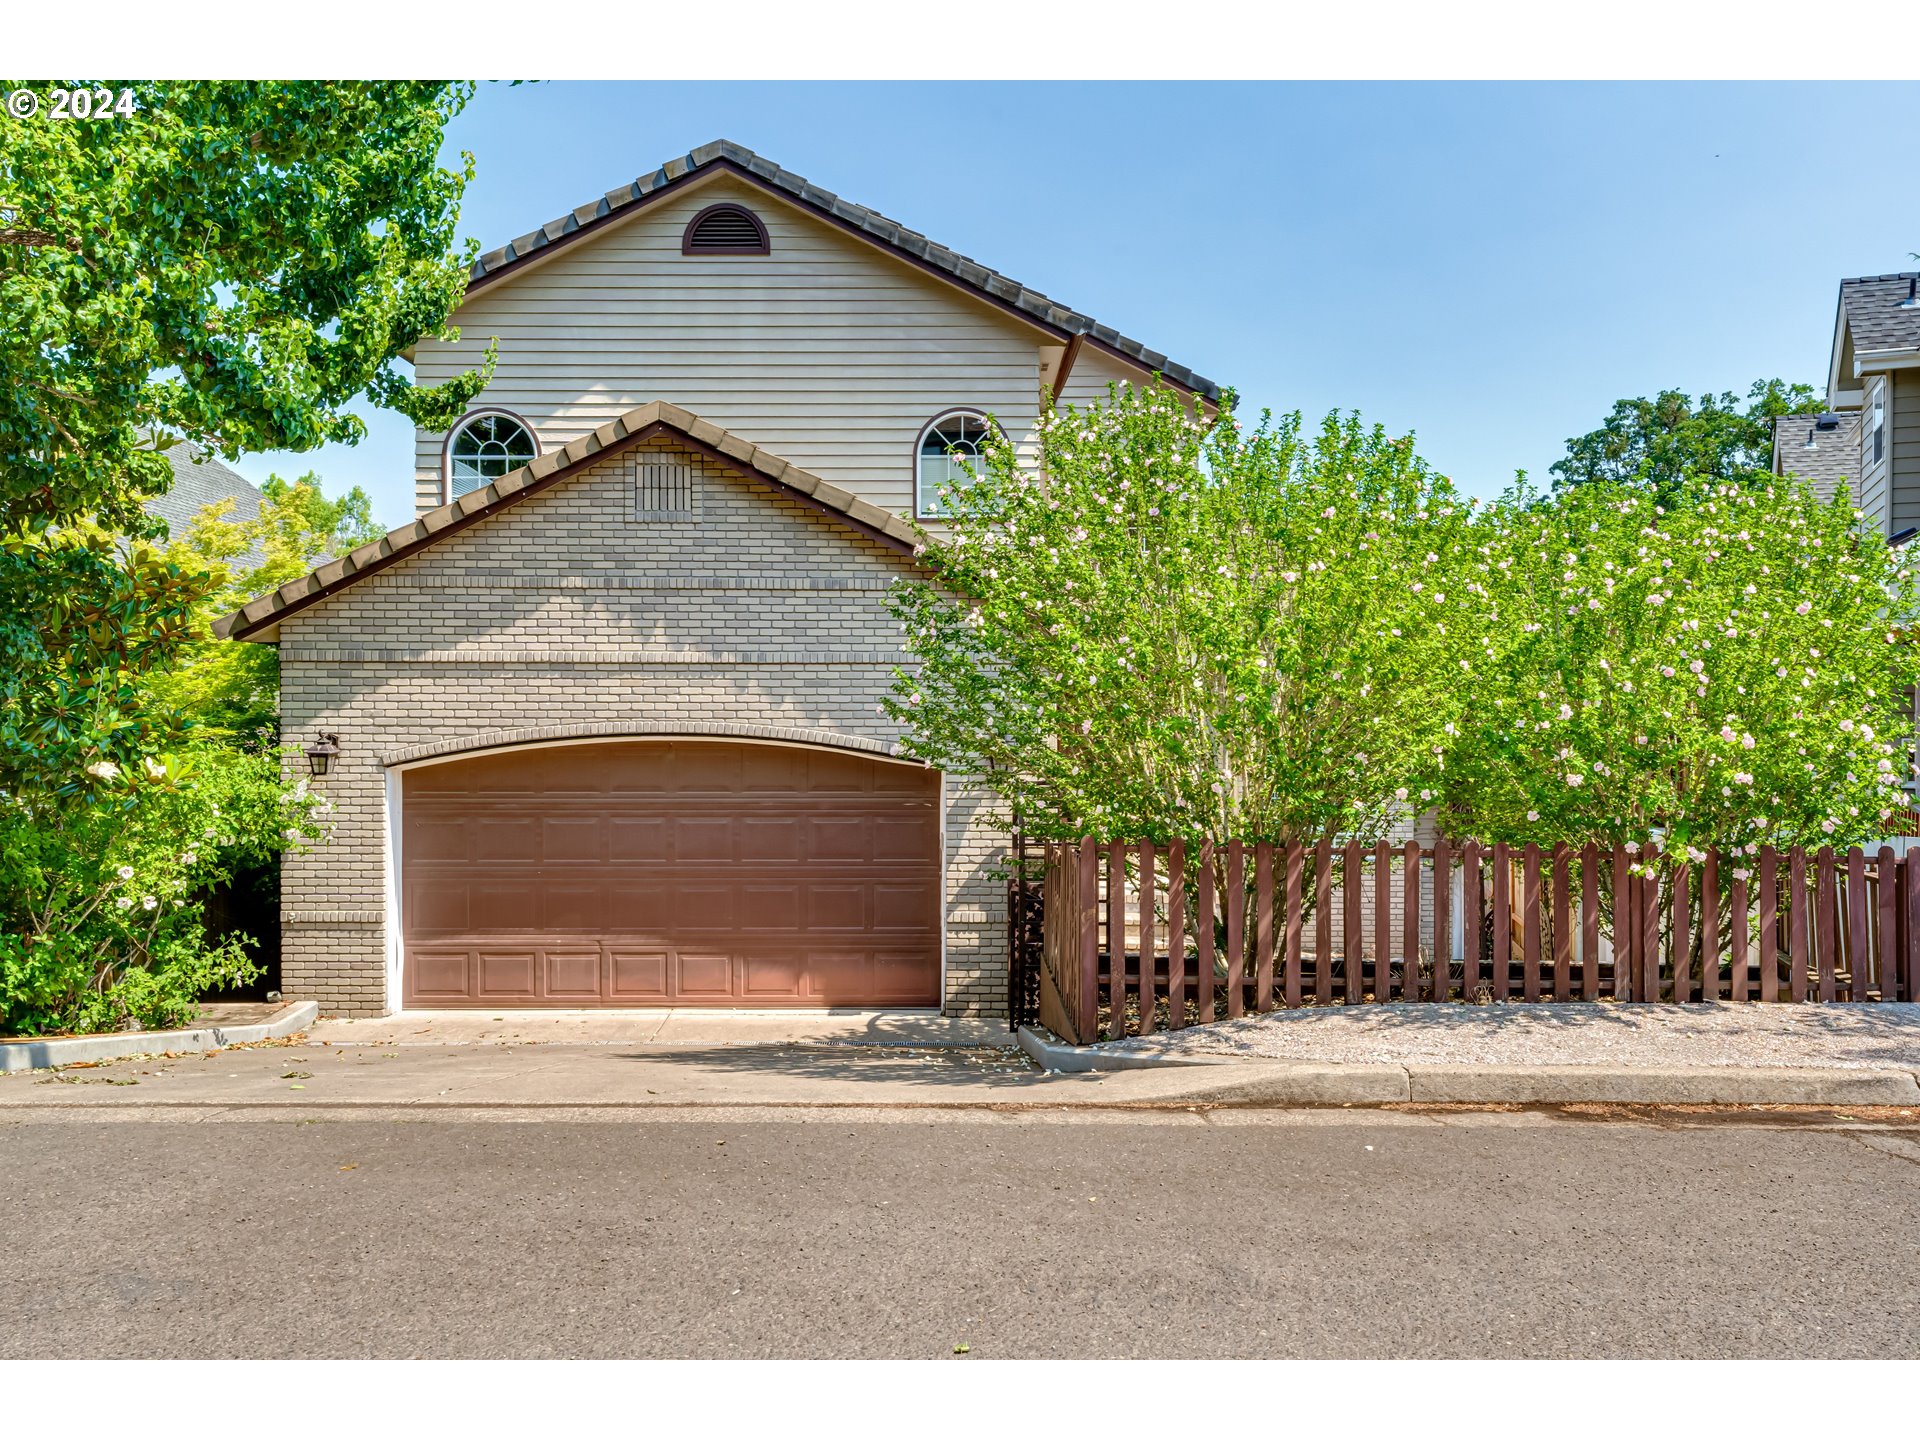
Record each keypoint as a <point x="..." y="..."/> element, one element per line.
<point x="686" y="872"/>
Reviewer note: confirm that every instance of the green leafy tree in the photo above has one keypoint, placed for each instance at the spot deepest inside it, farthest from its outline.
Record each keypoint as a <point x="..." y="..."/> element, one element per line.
<point x="1175" y="628"/>
<point x="234" y="265"/>
<point x="1664" y="443"/>
<point x="1723" y="672"/>
<point x="232" y="690"/>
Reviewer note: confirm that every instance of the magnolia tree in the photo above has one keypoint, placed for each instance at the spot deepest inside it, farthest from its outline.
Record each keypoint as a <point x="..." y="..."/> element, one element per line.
<point x="1728" y="672"/>
<point x="1172" y="628"/>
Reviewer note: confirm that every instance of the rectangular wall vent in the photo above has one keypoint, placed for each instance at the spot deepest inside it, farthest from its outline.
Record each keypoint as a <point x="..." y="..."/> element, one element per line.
<point x="663" y="488"/>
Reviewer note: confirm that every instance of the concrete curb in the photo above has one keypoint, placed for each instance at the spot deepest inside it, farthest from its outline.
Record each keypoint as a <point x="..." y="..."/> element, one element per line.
<point x="69" y="1050"/>
<point x="1233" y="1080"/>
<point x="1063" y="1059"/>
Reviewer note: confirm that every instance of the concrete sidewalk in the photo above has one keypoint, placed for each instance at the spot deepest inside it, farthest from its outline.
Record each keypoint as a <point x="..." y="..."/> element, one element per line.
<point x="670" y="1028"/>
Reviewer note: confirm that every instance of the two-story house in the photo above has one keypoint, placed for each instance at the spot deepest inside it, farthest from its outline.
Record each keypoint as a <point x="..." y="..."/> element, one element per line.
<point x="1869" y="435"/>
<point x="606" y="713"/>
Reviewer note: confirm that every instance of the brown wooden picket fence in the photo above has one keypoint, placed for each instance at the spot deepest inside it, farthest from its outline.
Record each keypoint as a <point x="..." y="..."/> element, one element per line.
<point x="1135" y="937"/>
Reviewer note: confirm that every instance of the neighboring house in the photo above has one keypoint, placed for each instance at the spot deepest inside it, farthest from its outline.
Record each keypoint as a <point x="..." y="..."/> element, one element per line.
<point x="1869" y="436"/>
<point x="607" y="711"/>
<point x="199" y="480"/>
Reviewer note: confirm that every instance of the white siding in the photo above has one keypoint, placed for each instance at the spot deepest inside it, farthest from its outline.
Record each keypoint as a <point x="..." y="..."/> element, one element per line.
<point x="1092" y="373"/>
<point x="828" y="353"/>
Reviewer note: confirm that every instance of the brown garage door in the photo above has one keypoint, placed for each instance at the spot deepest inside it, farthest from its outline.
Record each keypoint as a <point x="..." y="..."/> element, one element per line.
<point x="671" y="873"/>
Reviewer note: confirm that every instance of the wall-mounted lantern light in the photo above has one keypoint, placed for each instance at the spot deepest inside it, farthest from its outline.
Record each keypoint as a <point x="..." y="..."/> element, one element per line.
<point x="320" y="754"/>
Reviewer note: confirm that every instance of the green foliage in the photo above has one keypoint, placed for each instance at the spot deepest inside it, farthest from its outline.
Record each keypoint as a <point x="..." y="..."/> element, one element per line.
<point x="1184" y="630"/>
<point x="1174" y="629"/>
<point x="100" y="924"/>
<point x="1664" y="443"/>
<point x="232" y="690"/>
<point x="1724" y="671"/>
<point x="232" y="264"/>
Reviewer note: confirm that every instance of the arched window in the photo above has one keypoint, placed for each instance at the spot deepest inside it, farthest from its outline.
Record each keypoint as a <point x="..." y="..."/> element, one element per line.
<point x="948" y="455"/>
<point x="484" y="446"/>
<point x="725" y="230"/>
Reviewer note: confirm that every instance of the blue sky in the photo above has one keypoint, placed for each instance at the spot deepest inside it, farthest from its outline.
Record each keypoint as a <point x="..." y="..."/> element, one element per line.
<point x="1489" y="266"/>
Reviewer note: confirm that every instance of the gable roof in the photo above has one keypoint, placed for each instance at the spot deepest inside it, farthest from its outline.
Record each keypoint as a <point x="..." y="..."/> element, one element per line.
<point x="910" y="245"/>
<point x="199" y="480"/>
<point x="1871" y="305"/>
<point x="259" y="618"/>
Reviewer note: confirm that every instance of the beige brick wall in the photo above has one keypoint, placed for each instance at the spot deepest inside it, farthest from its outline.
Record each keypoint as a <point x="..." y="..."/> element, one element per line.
<point x="567" y="610"/>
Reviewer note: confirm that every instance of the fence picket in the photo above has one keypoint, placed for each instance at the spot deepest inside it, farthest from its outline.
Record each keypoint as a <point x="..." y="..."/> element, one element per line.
<point x="1681" y="897"/>
<point x="1088" y="900"/>
<point x="1737" y="987"/>
<point x="1562" y="925"/>
<point x="1886" y="887"/>
<point x="1826" y="915"/>
<point x="1910" y="935"/>
<point x="1471" y="906"/>
<point x="1650" y="926"/>
<point x="1769" y="925"/>
<point x="1502" y="921"/>
<point x="1350" y="879"/>
<point x="1798" y="948"/>
<point x="1410" y="920"/>
<point x="1236" y="929"/>
<point x="1295" y="877"/>
<point x="1530" y="922"/>
<point x="1263" y="926"/>
<point x="1623" y="928"/>
<point x="1177" y="935"/>
<point x="1203" y="933"/>
<point x="1323" y="922"/>
<point x="1382" y="921"/>
<point x="1149" y="951"/>
<point x="1710" y="926"/>
<point x="1442" y="916"/>
<point x="1857" y="952"/>
<point x="1590" y="921"/>
<point x="1116" y="940"/>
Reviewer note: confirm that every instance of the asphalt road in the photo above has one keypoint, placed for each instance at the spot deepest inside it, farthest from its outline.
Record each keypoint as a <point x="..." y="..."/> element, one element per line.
<point x="1100" y="1234"/>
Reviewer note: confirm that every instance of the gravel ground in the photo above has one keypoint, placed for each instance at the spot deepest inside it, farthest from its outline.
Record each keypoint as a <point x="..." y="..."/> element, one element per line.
<point x="1849" y="1036"/>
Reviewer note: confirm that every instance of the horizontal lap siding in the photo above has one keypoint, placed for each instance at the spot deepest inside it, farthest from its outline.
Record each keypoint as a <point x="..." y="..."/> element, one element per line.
<point x="827" y="352"/>
<point x="1903" y="440"/>
<point x="1871" y="493"/>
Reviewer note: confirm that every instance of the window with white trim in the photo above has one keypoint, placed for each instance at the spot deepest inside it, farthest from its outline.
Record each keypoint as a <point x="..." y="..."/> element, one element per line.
<point x="484" y="446"/>
<point x="949" y="457"/>
<point x="1876" y="438"/>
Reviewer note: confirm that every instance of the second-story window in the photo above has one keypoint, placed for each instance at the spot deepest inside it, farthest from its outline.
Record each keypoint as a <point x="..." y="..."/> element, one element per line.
<point x="949" y="457"/>
<point x="483" y="447"/>
<point x="1876" y="446"/>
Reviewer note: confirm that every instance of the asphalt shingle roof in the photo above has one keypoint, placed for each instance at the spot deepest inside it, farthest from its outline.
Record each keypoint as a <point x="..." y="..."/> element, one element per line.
<point x="1874" y="313"/>
<point x="199" y="480"/>
<point x="911" y="243"/>
<point x="1835" y="455"/>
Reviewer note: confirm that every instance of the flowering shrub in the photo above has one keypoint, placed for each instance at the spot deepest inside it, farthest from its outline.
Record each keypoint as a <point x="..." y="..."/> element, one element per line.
<point x="1174" y="628"/>
<point x="1725" y="672"/>
<point x="1187" y="630"/>
<point x="100" y="883"/>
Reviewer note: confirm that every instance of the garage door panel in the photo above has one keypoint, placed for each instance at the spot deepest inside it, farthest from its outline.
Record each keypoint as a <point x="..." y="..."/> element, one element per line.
<point x="637" y="975"/>
<point x="506" y="975"/>
<point x="640" y="837"/>
<point x="440" y="974"/>
<point x="706" y="974"/>
<point x="573" y="906"/>
<point x="671" y="873"/>
<point x="573" y="838"/>
<point x="838" y="837"/>
<point x="497" y="904"/>
<point x="703" y="837"/>
<point x="572" y="975"/>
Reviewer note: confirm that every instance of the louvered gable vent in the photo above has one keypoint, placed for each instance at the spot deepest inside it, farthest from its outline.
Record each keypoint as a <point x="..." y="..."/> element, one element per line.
<point x="725" y="230"/>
